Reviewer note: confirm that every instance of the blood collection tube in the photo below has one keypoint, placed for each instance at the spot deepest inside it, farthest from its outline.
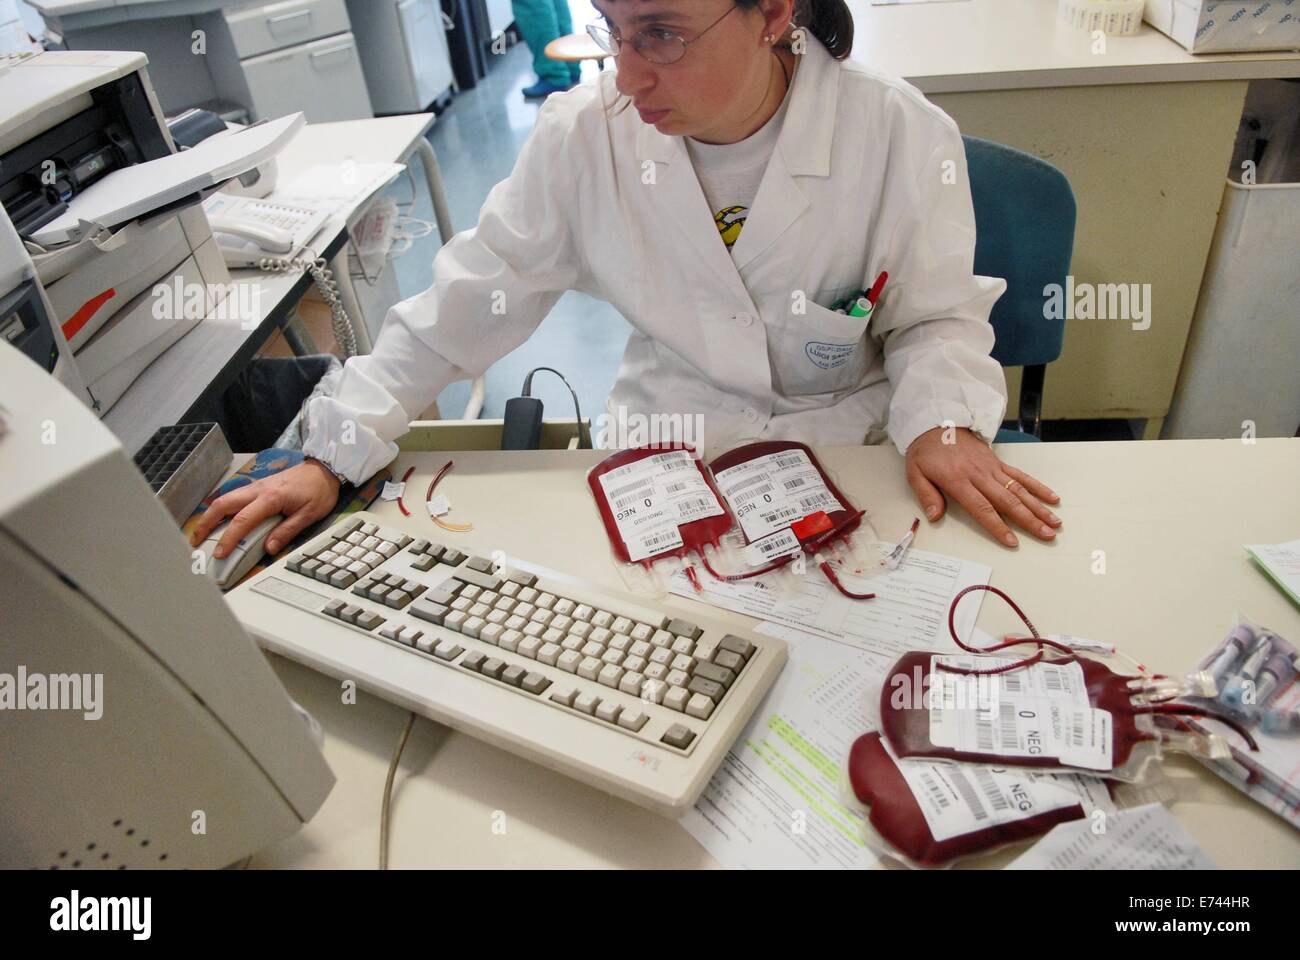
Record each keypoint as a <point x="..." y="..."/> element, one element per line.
<point x="1241" y="638"/>
<point x="1234" y="694"/>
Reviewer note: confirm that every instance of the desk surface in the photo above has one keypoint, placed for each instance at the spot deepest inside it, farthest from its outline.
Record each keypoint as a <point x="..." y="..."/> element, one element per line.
<point x="172" y="383"/>
<point x="1171" y="516"/>
<point x="1012" y="44"/>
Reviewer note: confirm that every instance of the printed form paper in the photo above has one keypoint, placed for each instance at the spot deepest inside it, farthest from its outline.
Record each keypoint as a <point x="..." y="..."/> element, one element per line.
<point x="775" y="800"/>
<point x="910" y="611"/>
<point x="1144" y="838"/>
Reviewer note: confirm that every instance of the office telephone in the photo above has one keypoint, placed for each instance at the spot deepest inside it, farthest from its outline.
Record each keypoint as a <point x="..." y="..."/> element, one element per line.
<point x="271" y="237"/>
<point x="249" y="231"/>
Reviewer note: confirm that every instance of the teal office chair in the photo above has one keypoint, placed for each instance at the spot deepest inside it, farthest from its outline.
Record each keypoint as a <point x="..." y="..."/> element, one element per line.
<point x="1024" y="222"/>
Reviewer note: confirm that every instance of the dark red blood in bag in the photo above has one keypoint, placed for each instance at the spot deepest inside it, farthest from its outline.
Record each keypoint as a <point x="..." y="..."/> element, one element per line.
<point x="908" y="728"/>
<point x="897" y="817"/>
<point x="847" y="515"/>
<point x="695" y="535"/>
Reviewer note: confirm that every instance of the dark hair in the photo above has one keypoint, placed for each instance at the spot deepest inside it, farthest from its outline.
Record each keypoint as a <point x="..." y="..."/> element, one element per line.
<point x="830" y="21"/>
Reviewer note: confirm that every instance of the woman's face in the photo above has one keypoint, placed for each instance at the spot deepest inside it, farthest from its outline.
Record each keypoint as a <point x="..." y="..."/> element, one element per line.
<point x="724" y="76"/>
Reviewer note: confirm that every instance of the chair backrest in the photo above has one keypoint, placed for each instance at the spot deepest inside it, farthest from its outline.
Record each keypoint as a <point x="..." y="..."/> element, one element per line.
<point x="1024" y="221"/>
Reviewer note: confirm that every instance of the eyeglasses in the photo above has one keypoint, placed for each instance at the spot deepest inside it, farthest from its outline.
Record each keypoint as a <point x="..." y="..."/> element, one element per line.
<point x="656" y="44"/>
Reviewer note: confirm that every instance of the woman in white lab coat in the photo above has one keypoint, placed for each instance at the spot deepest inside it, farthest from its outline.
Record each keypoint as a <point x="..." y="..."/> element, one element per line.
<point x="733" y="180"/>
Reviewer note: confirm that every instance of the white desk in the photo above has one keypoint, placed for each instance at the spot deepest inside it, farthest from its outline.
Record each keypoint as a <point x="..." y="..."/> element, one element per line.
<point x="1143" y="131"/>
<point x="1171" y="516"/>
<point x="206" y="360"/>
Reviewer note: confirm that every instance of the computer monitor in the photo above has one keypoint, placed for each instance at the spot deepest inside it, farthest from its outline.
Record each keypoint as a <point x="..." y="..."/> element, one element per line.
<point x="139" y="724"/>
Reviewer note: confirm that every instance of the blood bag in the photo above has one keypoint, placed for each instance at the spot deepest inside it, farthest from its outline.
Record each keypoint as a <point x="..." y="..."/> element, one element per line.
<point x="787" y="506"/>
<point x="660" y="509"/>
<point x="1073" y="714"/>
<point x="930" y="814"/>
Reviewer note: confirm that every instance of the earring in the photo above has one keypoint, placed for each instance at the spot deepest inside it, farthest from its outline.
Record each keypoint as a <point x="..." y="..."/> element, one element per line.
<point x="769" y="38"/>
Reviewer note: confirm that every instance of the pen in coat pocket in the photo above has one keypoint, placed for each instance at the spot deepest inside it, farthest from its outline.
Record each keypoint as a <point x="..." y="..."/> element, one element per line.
<point x="866" y="304"/>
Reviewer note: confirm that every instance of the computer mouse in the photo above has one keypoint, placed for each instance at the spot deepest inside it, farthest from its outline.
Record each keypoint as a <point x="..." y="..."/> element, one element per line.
<point x="228" y="571"/>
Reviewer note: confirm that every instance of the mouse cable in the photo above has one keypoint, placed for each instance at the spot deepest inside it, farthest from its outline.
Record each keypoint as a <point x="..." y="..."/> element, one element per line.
<point x="388" y="793"/>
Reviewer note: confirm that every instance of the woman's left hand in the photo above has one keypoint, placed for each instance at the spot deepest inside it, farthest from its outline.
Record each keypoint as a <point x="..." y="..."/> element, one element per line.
<point x="967" y="470"/>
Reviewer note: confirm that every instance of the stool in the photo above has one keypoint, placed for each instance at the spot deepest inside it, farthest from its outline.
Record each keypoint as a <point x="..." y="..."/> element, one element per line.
<point x="575" y="48"/>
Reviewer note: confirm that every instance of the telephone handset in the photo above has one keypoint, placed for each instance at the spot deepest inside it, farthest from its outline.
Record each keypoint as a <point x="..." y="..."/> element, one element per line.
<point x="271" y="236"/>
<point x="250" y="231"/>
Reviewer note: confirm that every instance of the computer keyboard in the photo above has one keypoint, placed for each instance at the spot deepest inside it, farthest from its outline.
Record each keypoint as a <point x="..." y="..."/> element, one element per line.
<point x="638" y="701"/>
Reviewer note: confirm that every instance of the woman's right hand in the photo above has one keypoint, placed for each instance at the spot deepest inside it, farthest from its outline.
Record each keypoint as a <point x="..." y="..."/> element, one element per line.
<point x="303" y="494"/>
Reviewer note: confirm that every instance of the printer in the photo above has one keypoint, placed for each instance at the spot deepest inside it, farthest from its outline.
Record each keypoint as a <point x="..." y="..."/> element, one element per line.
<point x="110" y="212"/>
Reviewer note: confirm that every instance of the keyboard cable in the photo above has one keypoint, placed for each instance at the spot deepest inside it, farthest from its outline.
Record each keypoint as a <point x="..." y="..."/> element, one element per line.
<point x="388" y="793"/>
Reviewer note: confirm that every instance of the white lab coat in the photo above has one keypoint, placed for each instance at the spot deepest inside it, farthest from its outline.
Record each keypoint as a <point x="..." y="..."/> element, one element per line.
<point x="866" y="176"/>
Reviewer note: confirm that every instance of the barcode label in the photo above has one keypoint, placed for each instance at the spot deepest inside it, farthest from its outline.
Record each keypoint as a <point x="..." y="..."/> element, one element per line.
<point x="741" y="499"/>
<point x="775" y="545"/>
<point x="643" y="483"/>
<point x="990" y="796"/>
<point x="676" y="487"/>
<point x="641" y="496"/>
<point x="1037" y="711"/>
<point x="689" y="507"/>
<point x="968" y="794"/>
<point x="935" y="791"/>
<point x="768" y="493"/>
<point x="997" y="800"/>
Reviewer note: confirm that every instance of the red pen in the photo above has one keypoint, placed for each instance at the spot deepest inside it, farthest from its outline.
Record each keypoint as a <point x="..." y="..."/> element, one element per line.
<point x="867" y="304"/>
<point x="874" y="293"/>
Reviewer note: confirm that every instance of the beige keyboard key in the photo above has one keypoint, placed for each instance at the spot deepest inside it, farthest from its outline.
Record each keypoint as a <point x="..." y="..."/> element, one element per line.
<point x="662" y="638"/>
<point x="586" y="702"/>
<point x="661" y="655"/>
<point x="582" y="611"/>
<point x="609" y="711"/>
<point x="589" y="668"/>
<point x="683" y="645"/>
<point x="564" y="606"/>
<point x="632" y="719"/>
<point x="492" y="633"/>
<point x="634" y="663"/>
<point x="699" y="706"/>
<point x="534" y="630"/>
<point x="552" y="636"/>
<point x="572" y="643"/>
<point x="529" y="646"/>
<point x="569" y="661"/>
<point x="612" y="656"/>
<point x="563" y="623"/>
<point x="655" y="671"/>
<point x="631" y="683"/>
<point x="610" y="674"/>
<point x="529" y="595"/>
<point x="580" y="629"/>
<point x="622" y="625"/>
<point x="549" y="653"/>
<point x="590" y="649"/>
<point x="683" y="663"/>
<point x="602" y="618"/>
<point x="640" y="648"/>
<point x="642" y="631"/>
<point x="542" y="616"/>
<point x="677" y="678"/>
<point x="599" y="634"/>
<point x="510" y="640"/>
<point x="676" y="699"/>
